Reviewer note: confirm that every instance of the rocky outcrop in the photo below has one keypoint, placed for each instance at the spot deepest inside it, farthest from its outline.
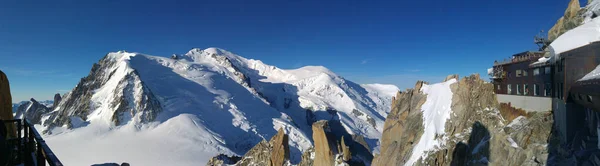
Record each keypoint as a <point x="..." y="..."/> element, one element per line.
<point x="32" y="111"/>
<point x="57" y="100"/>
<point x="281" y="150"/>
<point x="260" y="154"/>
<point x="6" y="104"/>
<point x="276" y="152"/>
<point x="307" y="157"/>
<point x="221" y="160"/>
<point x="402" y="128"/>
<point x="324" y="147"/>
<point x="346" y="154"/>
<point x="453" y="76"/>
<point x="334" y="148"/>
<point x="475" y="134"/>
<point x="571" y="19"/>
<point x="129" y="97"/>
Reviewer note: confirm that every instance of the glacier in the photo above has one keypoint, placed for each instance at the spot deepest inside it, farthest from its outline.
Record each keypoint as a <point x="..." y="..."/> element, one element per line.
<point x="182" y="110"/>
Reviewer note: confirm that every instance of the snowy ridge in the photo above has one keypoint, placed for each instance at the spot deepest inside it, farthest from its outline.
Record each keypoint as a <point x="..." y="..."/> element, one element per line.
<point x="211" y="100"/>
<point x="312" y="87"/>
<point x="436" y="110"/>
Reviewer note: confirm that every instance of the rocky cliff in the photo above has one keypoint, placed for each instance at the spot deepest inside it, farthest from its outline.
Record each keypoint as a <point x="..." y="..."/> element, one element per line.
<point x="276" y="152"/>
<point x="571" y="19"/>
<point x="110" y="86"/>
<point x="32" y="110"/>
<point x="57" y="100"/>
<point x="475" y="133"/>
<point x="6" y="103"/>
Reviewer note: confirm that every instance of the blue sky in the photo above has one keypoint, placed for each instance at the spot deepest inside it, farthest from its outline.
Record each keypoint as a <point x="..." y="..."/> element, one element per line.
<point x="46" y="47"/>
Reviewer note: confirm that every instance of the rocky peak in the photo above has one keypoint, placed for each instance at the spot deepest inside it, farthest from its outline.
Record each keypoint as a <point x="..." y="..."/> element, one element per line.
<point x="6" y="103"/>
<point x="280" y="148"/>
<point x="572" y="9"/>
<point x="571" y="19"/>
<point x="125" y="97"/>
<point x="475" y="134"/>
<point x="57" y="100"/>
<point x="324" y="147"/>
<point x="276" y="152"/>
<point x="32" y="111"/>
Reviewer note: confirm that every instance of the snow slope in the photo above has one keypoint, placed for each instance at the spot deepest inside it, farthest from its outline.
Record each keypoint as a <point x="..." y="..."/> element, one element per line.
<point x="436" y="110"/>
<point x="577" y="37"/>
<point x="150" y="110"/>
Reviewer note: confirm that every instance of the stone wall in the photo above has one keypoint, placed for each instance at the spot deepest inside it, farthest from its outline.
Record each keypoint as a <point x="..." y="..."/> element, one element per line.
<point x="527" y="103"/>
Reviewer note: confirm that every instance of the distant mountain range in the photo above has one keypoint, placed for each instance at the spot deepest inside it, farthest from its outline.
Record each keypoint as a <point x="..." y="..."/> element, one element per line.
<point x="187" y="108"/>
<point x="47" y="103"/>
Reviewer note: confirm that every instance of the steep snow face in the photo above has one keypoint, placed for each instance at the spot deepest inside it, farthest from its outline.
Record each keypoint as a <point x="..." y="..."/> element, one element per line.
<point x="436" y="110"/>
<point x="361" y="108"/>
<point x="113" y="94"/>
<point x="230" y="102"/>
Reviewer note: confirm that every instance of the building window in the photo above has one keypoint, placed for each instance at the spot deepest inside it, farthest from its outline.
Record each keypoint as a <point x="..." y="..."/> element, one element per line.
<point x="518" y="89"/>
<point x="556" y="93"/>
<point x="498" y="87"/>
<point x="524" y="73"/>
<point x="518" y="73"/>
<point x="589" y="98"/>
<point x="536" y="90"/>
<point x="509" y="89"/>
<point x="547" y="89"/>
<point x="561" y="65"/>
<point x="536" y="71"/>
<point x="562" y="91"/>
<point x="547" y="70"/>
<point x="525" y="89"/>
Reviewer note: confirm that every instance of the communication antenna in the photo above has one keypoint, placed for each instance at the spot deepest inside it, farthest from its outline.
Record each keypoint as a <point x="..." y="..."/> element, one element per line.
<point x="541" y="40"/>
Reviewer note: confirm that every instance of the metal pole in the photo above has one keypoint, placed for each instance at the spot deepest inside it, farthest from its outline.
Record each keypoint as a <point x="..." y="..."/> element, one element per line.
<point x="19" y="142"/>
<point x="40" y="155"/>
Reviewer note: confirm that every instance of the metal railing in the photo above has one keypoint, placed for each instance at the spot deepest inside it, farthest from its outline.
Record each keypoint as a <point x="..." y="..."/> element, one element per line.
<point x="31" y="147"/>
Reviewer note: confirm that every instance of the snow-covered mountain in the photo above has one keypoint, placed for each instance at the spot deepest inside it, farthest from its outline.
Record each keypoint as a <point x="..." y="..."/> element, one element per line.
<point x="47" y="103"/>
<point x="32" y="110"/>
<point x="151" y="110"/>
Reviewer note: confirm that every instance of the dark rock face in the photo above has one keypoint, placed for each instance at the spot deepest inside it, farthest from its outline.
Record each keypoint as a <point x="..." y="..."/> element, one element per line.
<point x="31" y="111"/>
<point x="78" y="103"/>
<point x="324" y="147"/>
<point x="57" y="100"/>
<point x="281" y="149"/>
<point x="6" y="104"/>
<point x="307" y="157"/>
<point x="276" y="152"/>
<point x="334" y="148"/>
<point x="475" y="134"/>
<point x="571" y="19"/>
<point x="402" y="128"/>
<point x="111" y="164"/>
<point x="222" y="159"/>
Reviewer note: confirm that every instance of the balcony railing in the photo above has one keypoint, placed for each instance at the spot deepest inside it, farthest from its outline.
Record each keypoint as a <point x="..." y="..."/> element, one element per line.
<point x="29" y="148"/>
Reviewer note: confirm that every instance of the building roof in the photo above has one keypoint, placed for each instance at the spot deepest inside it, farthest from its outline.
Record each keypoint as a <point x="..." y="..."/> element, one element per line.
<point x="576" y="37"/>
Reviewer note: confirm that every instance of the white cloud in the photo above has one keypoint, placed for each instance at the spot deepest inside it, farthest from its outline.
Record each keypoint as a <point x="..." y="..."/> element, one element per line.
<point x="364" y="62"/>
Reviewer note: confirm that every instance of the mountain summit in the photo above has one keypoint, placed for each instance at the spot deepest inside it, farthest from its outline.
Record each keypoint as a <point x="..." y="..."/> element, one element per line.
<point x="202" y="103"/>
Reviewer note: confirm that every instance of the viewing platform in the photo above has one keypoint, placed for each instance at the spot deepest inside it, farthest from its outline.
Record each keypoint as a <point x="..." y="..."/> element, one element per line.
<point x="27" y="148"/>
